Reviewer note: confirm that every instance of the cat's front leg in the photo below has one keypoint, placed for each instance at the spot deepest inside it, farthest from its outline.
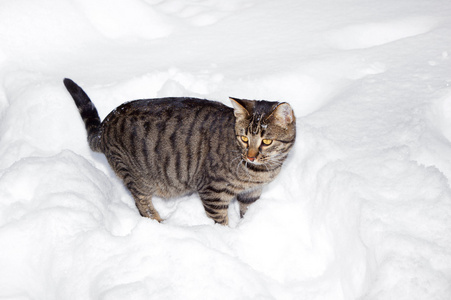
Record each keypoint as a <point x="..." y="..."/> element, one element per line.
<point x="216" y="204"/>
<point x="246" y="198"/>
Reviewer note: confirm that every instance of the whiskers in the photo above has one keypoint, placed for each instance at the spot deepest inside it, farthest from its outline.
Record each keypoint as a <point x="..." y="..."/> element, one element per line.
<point x="263" y="164"/>
<point x="242" y="162"/>
<point x="272" y="162"/>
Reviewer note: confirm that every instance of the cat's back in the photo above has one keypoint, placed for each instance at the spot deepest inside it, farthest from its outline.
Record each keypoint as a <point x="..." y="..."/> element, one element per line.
<point x="171" y="106"/>
<point x="168" y="118"/>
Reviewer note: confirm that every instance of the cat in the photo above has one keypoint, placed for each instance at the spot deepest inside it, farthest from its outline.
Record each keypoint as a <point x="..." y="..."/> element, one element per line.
<point x="170" y="147"/>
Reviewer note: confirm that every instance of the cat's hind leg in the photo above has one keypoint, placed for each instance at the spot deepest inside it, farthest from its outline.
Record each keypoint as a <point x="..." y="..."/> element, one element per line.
<point x="146" y="208"/>
<point x="141" y="192"/>
<point x="144" y="203"/>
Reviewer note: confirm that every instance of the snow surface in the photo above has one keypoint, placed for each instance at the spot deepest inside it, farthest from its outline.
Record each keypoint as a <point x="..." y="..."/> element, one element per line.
<point x="361" y="210"/>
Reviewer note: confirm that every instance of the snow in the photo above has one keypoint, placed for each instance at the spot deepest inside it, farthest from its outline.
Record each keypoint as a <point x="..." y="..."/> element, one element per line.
<point x="361" y="209"/>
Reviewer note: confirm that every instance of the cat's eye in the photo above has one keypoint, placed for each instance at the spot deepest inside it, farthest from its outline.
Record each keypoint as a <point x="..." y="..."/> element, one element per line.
<point x="244" y="138"/>
<point x="267" y="142"/>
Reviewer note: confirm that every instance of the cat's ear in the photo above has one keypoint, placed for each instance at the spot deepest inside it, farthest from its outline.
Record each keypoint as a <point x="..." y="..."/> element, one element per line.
<point x="239" y="108"/>
<point x="282" y="115"/>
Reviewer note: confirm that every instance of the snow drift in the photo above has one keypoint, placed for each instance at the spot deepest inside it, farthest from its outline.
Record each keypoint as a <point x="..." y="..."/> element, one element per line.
<point x="361" y="210"/>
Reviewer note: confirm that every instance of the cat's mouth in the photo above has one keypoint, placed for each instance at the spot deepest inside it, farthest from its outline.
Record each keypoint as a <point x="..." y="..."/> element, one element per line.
<point x="261" y="160"/>
<point x="252" y="160"/>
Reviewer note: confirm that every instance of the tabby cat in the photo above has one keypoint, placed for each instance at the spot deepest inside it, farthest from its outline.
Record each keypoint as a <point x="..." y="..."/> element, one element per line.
<point x="169" y="147"/>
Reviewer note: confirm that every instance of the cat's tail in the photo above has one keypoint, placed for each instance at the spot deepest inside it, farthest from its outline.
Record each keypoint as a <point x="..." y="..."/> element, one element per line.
<point x="88" y="113"/>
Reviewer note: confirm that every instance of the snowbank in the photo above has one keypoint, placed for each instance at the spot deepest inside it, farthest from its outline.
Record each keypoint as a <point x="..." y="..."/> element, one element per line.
<point x="361" y="210"/>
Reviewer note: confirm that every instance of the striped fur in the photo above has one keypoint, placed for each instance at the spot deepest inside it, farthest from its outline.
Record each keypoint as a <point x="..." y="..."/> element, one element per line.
<point x="169" y="147"/>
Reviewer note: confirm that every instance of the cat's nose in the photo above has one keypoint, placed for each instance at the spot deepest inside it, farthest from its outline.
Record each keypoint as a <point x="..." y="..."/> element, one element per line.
<point x="252" y="154"/>
<point x="251" y="158"/>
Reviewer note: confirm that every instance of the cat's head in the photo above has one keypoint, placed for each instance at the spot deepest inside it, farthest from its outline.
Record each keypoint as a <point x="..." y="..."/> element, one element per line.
<point x="265" y="130"/>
